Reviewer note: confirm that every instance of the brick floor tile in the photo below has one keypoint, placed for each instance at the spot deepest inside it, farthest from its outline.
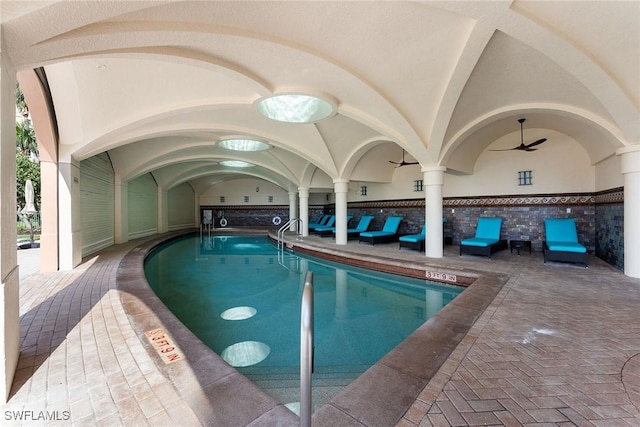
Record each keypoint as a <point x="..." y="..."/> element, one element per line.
<point x="451" y="413"/>
<point x="547" y="415"/>
<point x="438" y="420"/>
<point x="480" y="418"/>
<point x="486" y="405"/>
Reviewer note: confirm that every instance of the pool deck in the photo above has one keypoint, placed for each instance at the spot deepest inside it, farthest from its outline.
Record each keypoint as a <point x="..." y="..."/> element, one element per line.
<point x="558" y="345"/>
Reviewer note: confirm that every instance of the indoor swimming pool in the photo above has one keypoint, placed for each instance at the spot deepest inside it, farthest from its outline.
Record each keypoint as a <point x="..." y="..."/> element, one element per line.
<point x="241" y="297"/>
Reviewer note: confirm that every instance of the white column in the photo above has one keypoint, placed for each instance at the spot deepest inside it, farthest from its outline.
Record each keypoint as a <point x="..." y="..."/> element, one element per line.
<point x="293" y="209"/>
<point x="631" y="171"/>
<point x="303" y="193"/>
<point x="433" y="182"/>
<point x="163" y="210"/>
<point x="70" y="226"/>
<point x="9" y="299"/>
<point x="121" y="210"/>
<point x="341" y="189"/>
<point x="49" y="216"/>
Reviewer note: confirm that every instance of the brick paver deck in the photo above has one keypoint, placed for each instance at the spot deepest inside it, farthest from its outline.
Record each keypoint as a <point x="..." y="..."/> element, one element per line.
<point x="557" y="346"/>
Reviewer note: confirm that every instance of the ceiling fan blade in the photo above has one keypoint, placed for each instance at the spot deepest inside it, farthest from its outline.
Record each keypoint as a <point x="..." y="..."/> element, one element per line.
<point x="538" y="142"/>
<point x="509" y="149"/>
<point x="395" y="163"/>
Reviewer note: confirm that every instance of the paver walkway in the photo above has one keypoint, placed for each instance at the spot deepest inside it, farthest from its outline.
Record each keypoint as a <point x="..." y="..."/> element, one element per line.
<point x="559" y="345"/>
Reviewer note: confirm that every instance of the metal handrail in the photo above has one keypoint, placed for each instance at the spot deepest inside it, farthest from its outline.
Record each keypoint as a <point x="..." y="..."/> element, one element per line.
<point x="282" y="229"/>
<point x="306" y="350"/>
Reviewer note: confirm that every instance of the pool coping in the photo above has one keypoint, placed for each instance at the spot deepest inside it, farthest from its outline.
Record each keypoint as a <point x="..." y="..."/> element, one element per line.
<point x="220" y="395"/>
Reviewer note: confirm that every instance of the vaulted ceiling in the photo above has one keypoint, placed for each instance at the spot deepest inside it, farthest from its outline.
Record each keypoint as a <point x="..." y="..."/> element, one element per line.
<point x="157" y="84"/>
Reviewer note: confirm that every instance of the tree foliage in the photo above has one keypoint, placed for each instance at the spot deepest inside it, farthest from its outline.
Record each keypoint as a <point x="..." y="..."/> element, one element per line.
<point x="27" y="165"/>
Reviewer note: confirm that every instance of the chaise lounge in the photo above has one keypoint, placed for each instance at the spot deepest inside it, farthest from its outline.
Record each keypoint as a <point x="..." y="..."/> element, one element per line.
<point x="414" y="241"/>
<point x="389" y="232"/>
<point x="328" y="230"/>
<point x="561" y="242"/>
<point x="328" y="223"/>
<point x="363" y="225"/>
<point x="319" y="221"/>
<point x="487" y="239"/>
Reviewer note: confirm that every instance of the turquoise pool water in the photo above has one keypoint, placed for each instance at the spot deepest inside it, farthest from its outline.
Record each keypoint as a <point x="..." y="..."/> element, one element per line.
<point x="242" y="299"/>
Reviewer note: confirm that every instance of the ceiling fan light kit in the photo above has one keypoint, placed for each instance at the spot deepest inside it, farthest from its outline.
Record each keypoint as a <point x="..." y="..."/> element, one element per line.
<point x="523" y="146"/>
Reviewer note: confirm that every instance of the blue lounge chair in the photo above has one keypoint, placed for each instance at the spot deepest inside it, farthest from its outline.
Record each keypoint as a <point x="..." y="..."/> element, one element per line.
<point x="414" y="241"/>
<point x="561" y="242"/>
<point x="487" y="239"/>
<point x="328" y="230"/>
<point x="319" y="223"/>
<point x="389" y="232"/>
<point x="329" y="223"/>
<point x="363" y="225"/>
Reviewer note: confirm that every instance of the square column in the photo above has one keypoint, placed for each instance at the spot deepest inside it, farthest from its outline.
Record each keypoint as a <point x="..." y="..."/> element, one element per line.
<point x="631" y="172"/>
<point x="9" y="277"/>
<point x="70" y="229"/>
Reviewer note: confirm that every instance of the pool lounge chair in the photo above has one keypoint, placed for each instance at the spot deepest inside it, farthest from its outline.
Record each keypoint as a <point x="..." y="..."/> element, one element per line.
<point x="414" y="241"/>
<point x="329" y="223"/>
<point x="389" y="232"/>
<point x="487" y="239"/>
<point x="363" y="225"/>
<point x="328" y="230"/>
<point x="319" y="221"/>
<point x="561" y="242"/>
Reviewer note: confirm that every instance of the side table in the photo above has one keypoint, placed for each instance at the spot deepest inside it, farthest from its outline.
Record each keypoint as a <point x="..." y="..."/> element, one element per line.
<point x="519" y="244"/>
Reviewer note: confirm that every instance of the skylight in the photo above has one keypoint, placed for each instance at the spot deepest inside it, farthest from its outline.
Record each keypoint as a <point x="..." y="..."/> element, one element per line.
<point x="239" y="144"/>
<point x="236" y="164"/>
<point x="296" y="108"/>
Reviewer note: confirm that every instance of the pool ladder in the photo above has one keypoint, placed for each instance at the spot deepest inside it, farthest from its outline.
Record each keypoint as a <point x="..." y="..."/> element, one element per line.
<point x="283" y="229"/>
<point x="306" y="350"/>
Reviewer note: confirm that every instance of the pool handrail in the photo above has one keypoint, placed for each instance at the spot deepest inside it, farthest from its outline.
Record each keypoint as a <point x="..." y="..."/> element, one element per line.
<point x="282" y="229"/>
<point x="306" y="351"/>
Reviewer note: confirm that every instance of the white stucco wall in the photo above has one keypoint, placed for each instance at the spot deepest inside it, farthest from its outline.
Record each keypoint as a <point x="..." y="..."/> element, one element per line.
<point x="608" y="174"/>
<point x="234" y="191"/>
<point x="560" y="165"/>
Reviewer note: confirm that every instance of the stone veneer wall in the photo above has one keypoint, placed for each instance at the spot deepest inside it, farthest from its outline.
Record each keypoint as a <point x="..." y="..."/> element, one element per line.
<point x="610" y="226"/>
<point x="598" y="217"/>
<point x="523" y="216"/>
<point x="411" y="211"/>
<point x="255" y="216"/>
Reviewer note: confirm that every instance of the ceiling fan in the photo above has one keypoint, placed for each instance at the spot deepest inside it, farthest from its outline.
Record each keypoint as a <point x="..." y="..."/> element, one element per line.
<point x="523" y="146"/>
<point x="403" y="163"/>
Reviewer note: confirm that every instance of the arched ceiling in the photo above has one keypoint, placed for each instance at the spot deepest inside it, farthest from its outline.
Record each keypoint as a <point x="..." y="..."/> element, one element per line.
<point x="157" y="84"/>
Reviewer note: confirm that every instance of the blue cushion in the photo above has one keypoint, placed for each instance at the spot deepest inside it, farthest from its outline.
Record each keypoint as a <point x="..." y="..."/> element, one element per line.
<point x="489" y="228"/>
<point x="376" y="233"/>
<point x="363" y="225"/>
<point x="322" y="221"/>
<point x="331" y="228"/>
<point x="391" y="224"/>
<point x="478" y="241"/>
<point x="413" y="238"/>
<point x="566" y="246"/>
<point x="561" y="230"/>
